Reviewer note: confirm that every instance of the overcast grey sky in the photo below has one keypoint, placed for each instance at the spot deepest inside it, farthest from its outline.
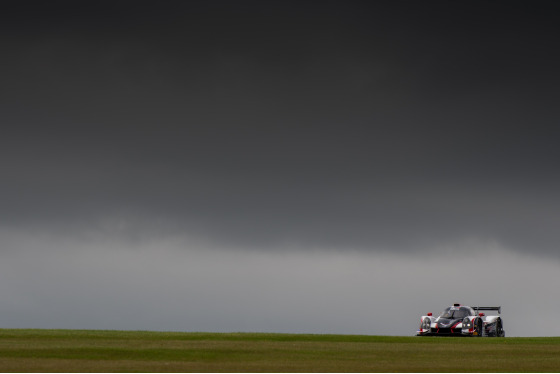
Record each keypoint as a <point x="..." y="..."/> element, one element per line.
<point x="326" y="167"/>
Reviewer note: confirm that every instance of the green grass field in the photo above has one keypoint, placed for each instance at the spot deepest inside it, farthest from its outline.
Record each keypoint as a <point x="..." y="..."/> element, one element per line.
<point x="136" y="351"/>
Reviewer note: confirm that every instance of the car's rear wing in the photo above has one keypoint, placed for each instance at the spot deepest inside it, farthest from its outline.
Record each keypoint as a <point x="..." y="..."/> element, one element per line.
<point x="498" y="308"/>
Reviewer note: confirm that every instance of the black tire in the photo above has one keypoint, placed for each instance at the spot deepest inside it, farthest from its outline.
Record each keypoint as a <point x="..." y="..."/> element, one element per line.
<point x="478" y="327"/>
<point x="499" y="329"/>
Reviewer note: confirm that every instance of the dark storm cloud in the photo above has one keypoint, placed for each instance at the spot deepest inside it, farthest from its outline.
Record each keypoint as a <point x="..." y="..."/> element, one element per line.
<point x="396" y="126"/>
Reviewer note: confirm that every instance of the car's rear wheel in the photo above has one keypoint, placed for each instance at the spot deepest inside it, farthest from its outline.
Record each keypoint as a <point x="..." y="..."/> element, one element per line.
<point x="499" y="328"/>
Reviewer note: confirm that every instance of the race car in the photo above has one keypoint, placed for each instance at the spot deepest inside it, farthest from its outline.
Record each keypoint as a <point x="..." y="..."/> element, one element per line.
<point x="461" y="320"/>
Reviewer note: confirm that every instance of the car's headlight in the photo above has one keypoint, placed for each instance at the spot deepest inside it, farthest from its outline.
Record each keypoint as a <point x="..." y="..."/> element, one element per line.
<point x="426" y="323"/>
<point x="467" y="323"/>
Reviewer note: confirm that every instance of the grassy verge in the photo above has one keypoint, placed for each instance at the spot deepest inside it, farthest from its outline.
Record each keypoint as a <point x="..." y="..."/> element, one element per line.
<point x="137" y="351"/>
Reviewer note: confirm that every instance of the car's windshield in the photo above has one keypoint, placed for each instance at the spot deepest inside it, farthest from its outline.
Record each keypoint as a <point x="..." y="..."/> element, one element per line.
<point x="455" y="313"/>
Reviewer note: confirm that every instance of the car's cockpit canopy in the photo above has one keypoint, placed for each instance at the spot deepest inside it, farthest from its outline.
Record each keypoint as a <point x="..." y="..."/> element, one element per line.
<point x="457" y="312"/>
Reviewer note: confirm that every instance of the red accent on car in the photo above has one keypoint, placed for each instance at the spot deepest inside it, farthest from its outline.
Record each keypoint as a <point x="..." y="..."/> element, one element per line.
<point x="455" y="325"/>
<point x="430" y="314"/>
<point x="481" y="314"/>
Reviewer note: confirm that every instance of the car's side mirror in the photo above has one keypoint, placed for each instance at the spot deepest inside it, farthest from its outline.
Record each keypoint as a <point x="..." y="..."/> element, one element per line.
<point x="481" y="314"/>
<point x="429" y="314"/>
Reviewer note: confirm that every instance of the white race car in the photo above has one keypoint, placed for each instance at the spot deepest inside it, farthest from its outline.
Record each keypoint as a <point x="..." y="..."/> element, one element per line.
<point x="461" y="320"/>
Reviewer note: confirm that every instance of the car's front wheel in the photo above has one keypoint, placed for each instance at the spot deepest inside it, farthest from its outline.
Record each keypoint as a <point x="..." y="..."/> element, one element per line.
<point x="478" y="327"/>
